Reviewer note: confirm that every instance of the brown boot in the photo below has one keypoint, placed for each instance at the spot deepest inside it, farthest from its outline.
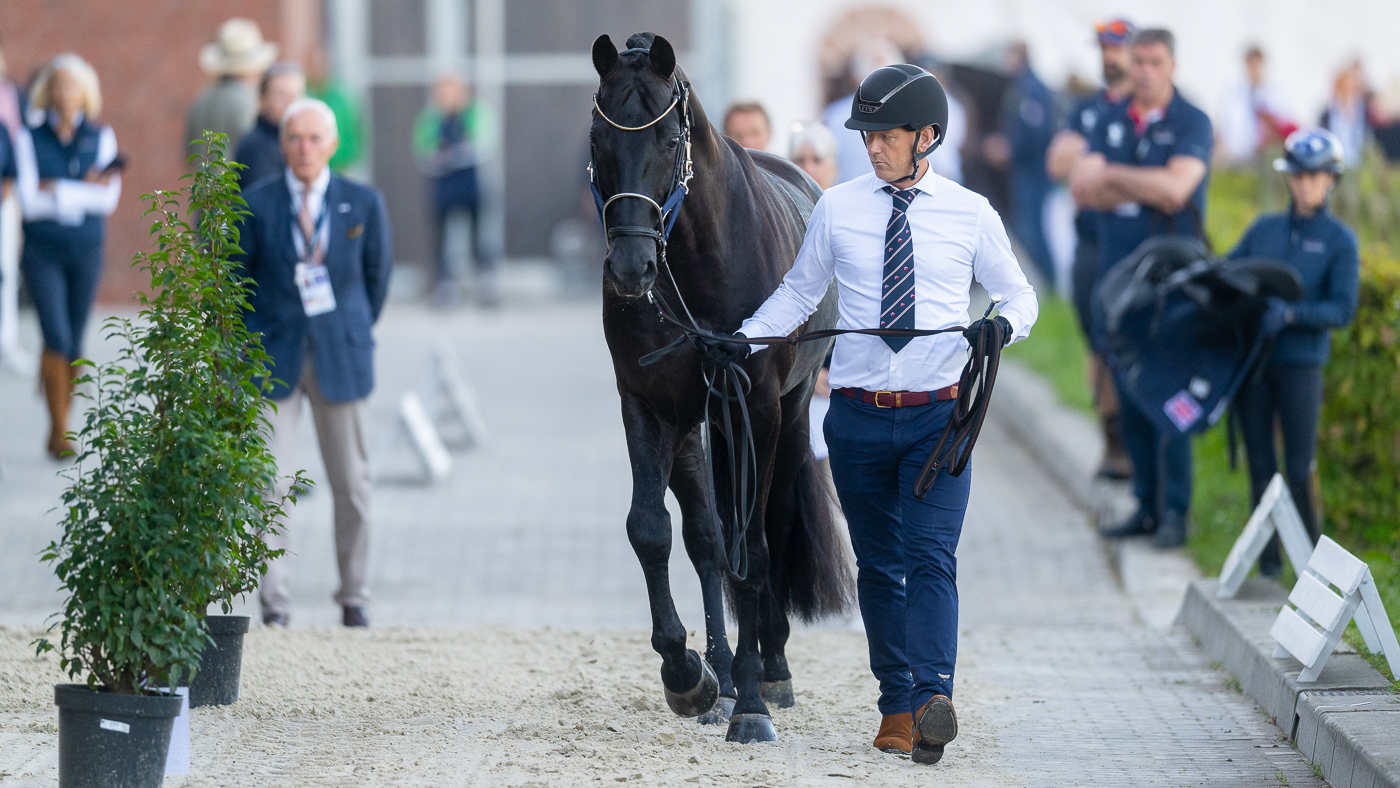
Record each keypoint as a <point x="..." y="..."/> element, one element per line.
<point x="896" y="733"/>
<point x="1116" y="464"/>
<point x="936" y="726"/>
<point x="57" y="376"/>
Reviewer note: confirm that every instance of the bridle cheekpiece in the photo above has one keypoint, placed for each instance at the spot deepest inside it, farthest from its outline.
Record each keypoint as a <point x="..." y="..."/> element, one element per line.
<point x="668" y="211"/>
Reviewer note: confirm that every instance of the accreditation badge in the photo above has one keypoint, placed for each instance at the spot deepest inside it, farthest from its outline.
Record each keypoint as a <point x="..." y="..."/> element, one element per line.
<point x="314" y="283"/>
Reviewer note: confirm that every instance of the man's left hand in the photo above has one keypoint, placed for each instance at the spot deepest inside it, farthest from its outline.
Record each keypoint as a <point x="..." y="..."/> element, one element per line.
<point x="973" y="332"/>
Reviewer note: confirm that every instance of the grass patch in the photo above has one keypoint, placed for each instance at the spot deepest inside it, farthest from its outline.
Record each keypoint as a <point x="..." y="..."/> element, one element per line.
<point x="1056" y="350"/>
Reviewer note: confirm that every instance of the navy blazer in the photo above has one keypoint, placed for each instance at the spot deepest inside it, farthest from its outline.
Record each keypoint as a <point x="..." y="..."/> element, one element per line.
<point x="359" y="258"/>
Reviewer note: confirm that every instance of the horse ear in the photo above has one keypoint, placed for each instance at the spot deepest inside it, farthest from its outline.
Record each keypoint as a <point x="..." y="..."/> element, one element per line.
<point x="604" y="55"/>
<point x="663" y="57"/>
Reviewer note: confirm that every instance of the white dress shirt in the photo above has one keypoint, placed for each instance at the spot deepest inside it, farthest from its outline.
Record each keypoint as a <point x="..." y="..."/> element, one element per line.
<point x="956" y="236"/>
<point x="316" y="200"/>
<point x="71" y="200"/>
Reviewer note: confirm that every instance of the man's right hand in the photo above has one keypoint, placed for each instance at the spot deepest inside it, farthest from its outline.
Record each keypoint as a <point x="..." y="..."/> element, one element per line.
<point x="719" y="350"/>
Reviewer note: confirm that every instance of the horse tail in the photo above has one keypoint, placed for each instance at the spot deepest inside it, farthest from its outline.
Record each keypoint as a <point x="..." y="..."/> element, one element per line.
<point x="816" y="580"/>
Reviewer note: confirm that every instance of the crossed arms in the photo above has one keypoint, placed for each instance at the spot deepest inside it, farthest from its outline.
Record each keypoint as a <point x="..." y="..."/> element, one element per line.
<point x="1097" y="184"/>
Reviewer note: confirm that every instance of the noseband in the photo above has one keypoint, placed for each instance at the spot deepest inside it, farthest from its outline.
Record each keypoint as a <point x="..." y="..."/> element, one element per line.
<point x="680" y="176"/>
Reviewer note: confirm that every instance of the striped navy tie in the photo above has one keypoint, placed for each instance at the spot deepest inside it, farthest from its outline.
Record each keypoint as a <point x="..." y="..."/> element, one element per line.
<point x="897" y="293"/>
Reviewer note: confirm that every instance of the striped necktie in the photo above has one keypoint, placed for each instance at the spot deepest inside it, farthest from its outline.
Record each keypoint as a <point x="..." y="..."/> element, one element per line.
<point x="897" y="292"/>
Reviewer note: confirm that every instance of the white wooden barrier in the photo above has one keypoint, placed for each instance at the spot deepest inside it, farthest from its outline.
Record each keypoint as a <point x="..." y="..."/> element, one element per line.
<point x="459" y="395"/>
<point x="1275" y="514"/>
<point x="424" y="438"/>
<point x="1311" y="628"/>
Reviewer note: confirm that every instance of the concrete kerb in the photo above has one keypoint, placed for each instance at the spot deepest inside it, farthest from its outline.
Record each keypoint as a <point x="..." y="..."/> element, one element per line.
<point x="1347" y="723"/>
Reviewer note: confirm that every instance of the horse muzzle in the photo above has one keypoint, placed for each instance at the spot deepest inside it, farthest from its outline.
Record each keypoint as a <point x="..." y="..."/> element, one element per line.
<point x="631" y="270"/>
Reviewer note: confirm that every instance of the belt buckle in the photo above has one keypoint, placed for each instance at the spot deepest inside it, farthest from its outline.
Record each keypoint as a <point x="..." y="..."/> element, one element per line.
<point x="891" y="393"/>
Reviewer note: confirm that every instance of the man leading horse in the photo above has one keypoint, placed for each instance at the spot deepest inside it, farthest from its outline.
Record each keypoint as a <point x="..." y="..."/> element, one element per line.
<point x="904" y="245"/>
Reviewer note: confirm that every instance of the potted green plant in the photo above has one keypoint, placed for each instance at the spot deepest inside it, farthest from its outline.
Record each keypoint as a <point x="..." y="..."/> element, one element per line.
<point x="169" y="497"/>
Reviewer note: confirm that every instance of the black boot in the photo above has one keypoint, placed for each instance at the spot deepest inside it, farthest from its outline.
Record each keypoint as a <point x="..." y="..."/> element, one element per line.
<point x="1140" y="524"/>
<point x="1171" y="532"/>
<point x="1270" y="562"/>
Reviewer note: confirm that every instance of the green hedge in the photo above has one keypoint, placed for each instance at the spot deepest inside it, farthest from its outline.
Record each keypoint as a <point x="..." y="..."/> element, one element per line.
<point x="1359" y="436"/>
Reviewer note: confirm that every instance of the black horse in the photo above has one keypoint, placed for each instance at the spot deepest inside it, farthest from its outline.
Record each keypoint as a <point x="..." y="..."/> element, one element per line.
<point x="735" y="234"/>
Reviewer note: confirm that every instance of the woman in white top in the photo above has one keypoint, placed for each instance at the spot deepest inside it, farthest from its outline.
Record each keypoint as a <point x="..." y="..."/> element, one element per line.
<point x="69" y="182"/>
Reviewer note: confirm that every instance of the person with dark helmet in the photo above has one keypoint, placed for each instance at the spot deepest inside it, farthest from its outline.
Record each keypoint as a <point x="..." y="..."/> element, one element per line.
<point x="1289" y="386"/>
<point x="904" y="245"/>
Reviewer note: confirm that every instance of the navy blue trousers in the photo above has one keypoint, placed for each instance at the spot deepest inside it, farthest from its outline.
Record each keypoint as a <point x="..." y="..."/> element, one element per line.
<point x="1161" y="461"/>
<point x="62" y="279"/>
<point x="905" y="548"/>
<point x="1292" y="393"/>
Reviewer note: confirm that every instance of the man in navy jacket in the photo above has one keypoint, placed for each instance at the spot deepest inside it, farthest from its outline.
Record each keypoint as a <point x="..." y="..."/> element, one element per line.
<point x="317" y="248"/>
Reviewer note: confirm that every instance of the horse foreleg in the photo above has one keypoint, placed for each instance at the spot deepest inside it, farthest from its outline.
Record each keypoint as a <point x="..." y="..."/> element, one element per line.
<point x="691" y="685"/>
<point x="751" y="721"/>
<point x="782" y="518"/>
<point x="706" y="553"/>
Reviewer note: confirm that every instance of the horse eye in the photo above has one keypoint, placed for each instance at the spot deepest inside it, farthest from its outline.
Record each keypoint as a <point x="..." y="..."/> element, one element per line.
<point x="673" y="143"/>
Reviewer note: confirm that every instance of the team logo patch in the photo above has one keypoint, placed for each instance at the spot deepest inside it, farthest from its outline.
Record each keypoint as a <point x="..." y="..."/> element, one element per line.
<point x="1183" y="410"/>
<point x="1089" y="118"/>
<point x="1164" y="137"/>
<point x="1314" y="246"/>
<point x="1115" y="134"/>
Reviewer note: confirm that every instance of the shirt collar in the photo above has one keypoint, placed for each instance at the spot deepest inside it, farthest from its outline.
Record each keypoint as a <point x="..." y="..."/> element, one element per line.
<point x="928" y="184"/>
<point x="318" y="186"/>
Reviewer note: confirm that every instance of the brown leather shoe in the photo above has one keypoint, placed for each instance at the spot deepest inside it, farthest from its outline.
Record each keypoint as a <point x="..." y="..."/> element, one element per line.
<point x="937" y="724"/>
<point x="896" y="733"/>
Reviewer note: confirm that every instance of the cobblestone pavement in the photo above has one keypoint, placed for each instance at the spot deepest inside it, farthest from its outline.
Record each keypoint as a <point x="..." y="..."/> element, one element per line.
<point x="1070" y="686"/>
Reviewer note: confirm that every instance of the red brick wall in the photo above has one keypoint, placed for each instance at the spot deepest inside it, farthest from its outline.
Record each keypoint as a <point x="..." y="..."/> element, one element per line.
<point x="146" y="53"/>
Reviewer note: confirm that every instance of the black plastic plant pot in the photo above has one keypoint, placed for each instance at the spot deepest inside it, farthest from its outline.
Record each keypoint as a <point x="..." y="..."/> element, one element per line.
<point x="221" y="663"/>
<point x="106" y="740"/>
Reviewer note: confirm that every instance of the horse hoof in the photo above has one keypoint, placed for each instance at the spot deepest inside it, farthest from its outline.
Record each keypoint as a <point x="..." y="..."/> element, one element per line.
<point x="777" y="693"/>
<point x="698" y="699"/>
<point x="750" y="728"/>
<point x="719" y="714"/>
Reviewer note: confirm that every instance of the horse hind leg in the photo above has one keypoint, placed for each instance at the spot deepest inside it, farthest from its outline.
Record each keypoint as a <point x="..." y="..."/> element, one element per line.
<point x="705" y="551"/>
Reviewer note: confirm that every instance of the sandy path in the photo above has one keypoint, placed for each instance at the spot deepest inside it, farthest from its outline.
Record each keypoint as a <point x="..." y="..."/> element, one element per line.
<point x="499" y="707"/>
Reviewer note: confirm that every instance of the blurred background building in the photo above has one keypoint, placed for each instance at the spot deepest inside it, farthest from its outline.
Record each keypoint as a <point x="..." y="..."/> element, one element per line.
<point x="529" y="60"/>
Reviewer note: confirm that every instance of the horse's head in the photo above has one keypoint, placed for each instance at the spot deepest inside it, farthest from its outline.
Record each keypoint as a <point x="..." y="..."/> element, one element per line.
<point x="639" y="157"/>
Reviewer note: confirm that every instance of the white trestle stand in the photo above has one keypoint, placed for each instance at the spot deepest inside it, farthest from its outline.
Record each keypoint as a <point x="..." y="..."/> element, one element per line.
<point x="1275" y="514"/>
<point x="424" y="438"/>
<point x="460" y="398"/>
<point x="1311" y="628"/>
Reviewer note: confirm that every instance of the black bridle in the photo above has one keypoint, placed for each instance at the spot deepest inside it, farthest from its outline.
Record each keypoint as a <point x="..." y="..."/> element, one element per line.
<point x="681" y="173"/>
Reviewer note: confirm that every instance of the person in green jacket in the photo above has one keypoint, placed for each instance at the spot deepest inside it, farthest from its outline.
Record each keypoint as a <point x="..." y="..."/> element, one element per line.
<point x="322" y="84"/>
<point x="451" y="137"/>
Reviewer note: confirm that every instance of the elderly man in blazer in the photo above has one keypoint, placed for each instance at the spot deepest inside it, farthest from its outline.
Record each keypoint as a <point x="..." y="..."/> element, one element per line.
<point x="317" y="248"/>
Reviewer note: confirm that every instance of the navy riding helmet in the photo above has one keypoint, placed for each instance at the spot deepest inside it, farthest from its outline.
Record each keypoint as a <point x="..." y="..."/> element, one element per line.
<point x="901" y="96"/>
<point x="1311" y="150"/>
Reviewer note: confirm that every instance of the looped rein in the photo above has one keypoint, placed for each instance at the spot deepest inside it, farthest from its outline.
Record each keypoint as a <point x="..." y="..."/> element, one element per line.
<point x="951" y="454"/>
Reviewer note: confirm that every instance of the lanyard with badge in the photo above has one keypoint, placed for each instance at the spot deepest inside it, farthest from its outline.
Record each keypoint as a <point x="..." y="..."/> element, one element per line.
<point x="312" y="278"/>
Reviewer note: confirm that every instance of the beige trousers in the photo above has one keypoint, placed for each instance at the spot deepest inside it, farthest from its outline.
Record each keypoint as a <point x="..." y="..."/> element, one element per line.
<point x="340" y="431"/>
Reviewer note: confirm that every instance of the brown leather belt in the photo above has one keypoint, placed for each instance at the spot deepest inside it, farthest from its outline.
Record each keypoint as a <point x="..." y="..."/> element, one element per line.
<point x="901" y="399"/>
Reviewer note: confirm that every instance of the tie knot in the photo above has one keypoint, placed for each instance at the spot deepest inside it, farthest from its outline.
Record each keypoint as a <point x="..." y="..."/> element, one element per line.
<point x="902" y="197"/>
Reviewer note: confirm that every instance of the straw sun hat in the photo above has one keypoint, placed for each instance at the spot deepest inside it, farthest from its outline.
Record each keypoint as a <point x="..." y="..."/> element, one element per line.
<point x="239" y="50"/>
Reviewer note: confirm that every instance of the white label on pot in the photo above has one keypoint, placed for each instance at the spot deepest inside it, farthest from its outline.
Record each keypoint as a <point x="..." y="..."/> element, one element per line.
<point x="113" y="725"/>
